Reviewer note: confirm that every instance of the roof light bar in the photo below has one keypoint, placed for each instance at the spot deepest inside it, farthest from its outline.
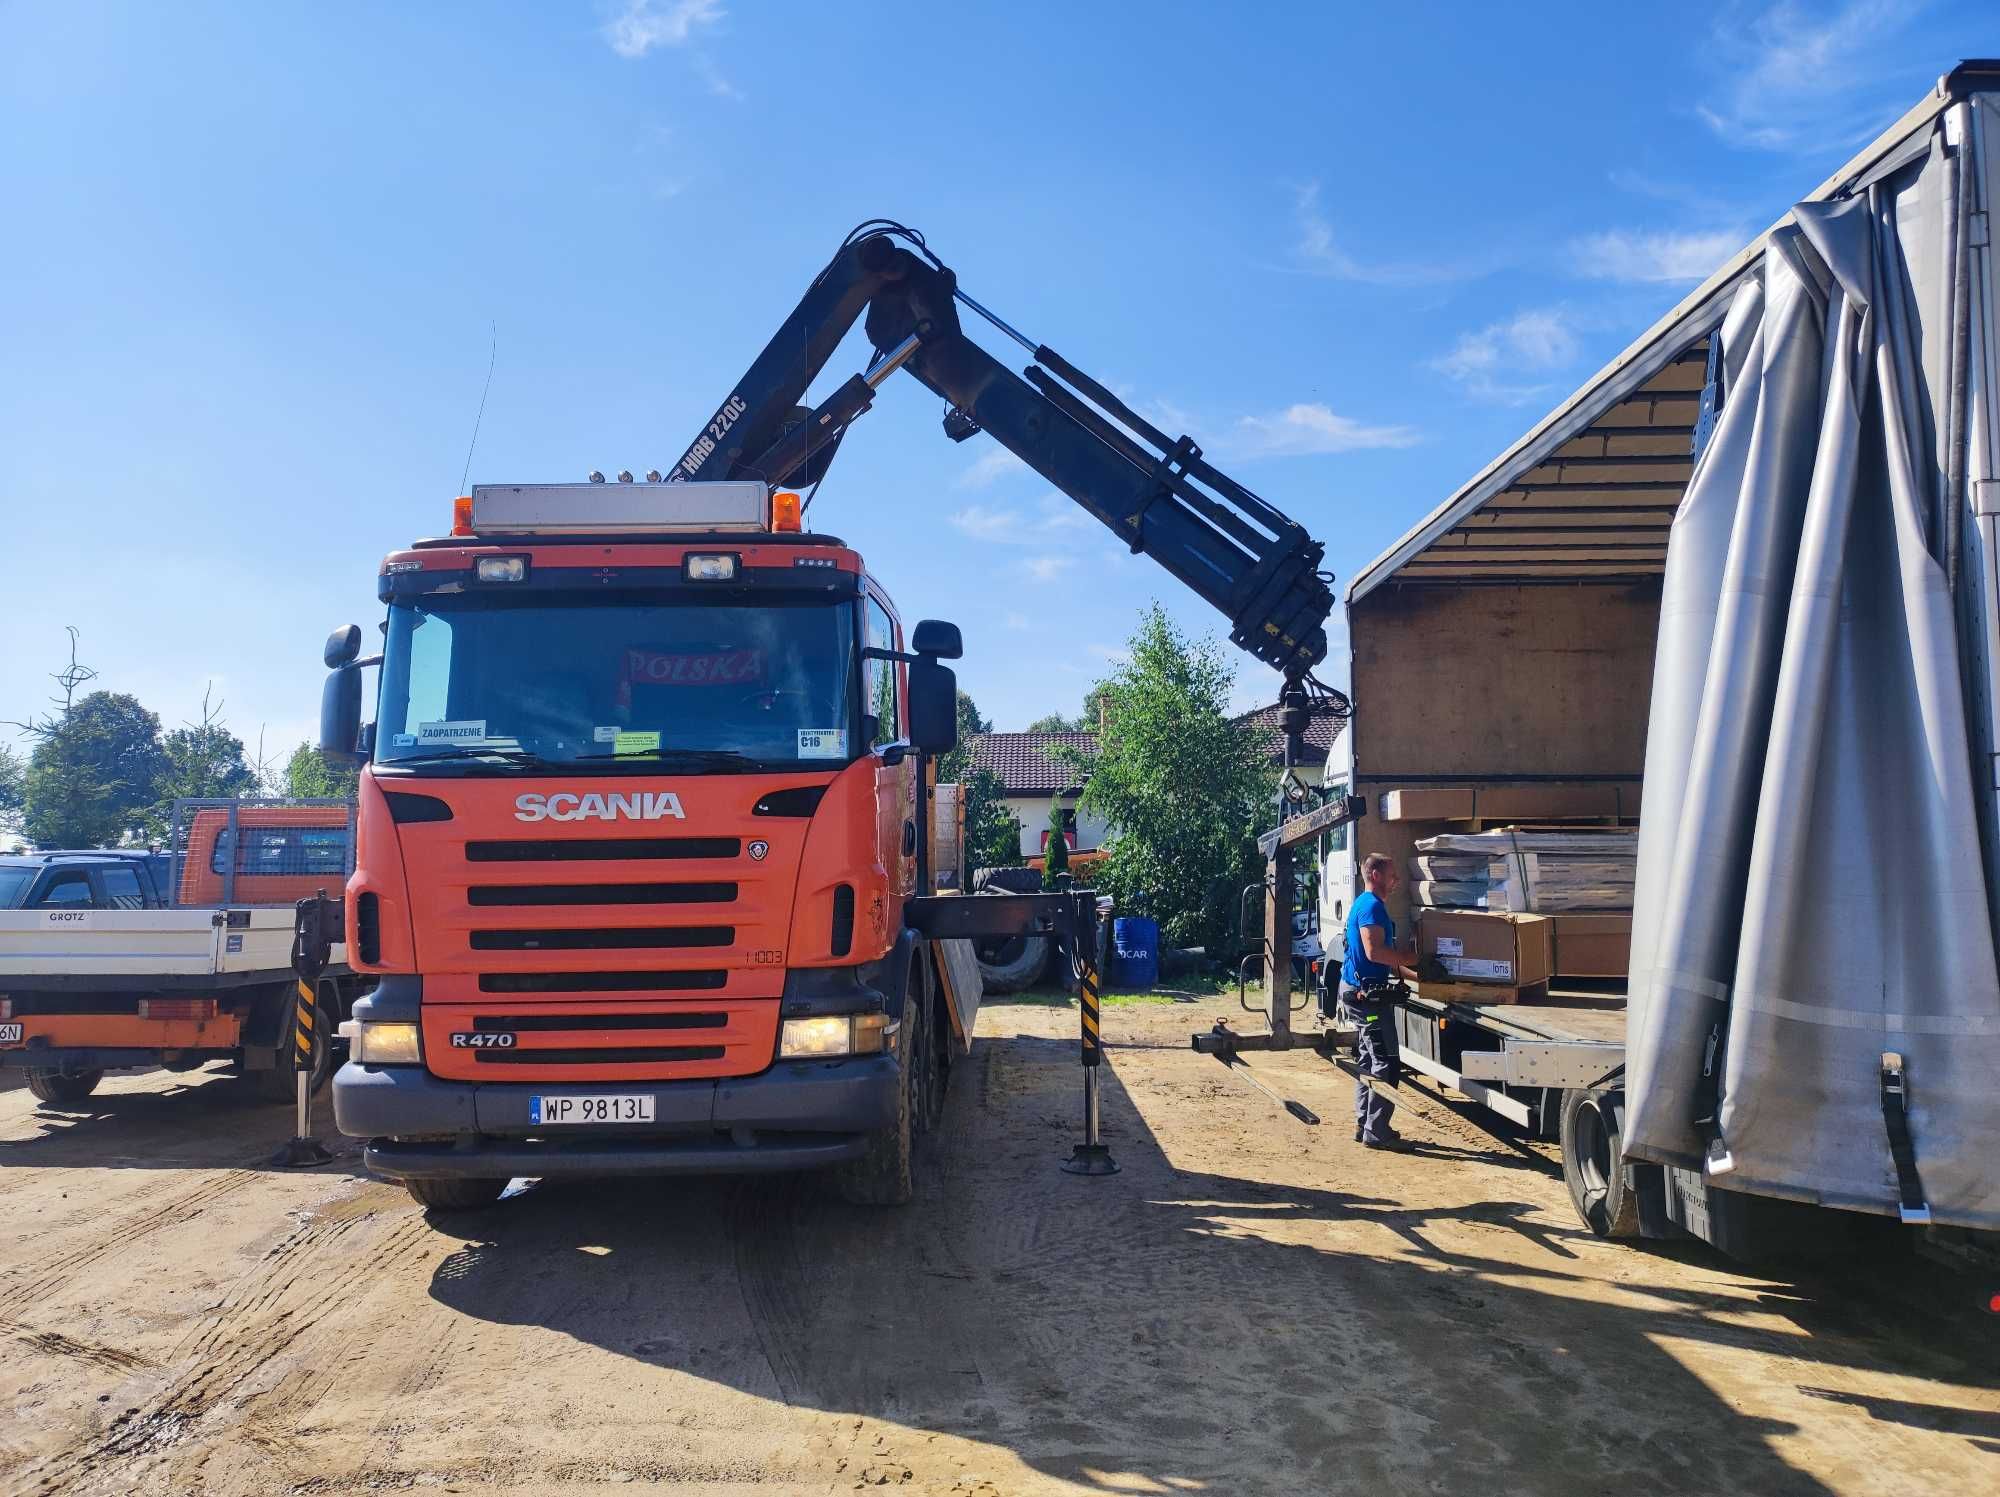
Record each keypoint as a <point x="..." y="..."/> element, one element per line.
<point x="602" y="508"/>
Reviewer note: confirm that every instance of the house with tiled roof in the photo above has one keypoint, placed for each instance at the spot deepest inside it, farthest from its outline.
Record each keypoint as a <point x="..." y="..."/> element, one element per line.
<point x="1321" y="731"/>
<point x="1042" y="784"/>
<point x="1041" y="787"/>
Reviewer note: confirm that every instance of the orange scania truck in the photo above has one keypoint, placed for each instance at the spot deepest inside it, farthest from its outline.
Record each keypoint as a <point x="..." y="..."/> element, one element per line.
<point x="643" y="817"/>
<point x="634" y="847"/>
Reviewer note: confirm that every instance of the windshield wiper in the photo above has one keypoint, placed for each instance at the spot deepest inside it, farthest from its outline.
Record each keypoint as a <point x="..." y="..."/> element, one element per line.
<point x="695" y="760"/>
<point x="485" y="754"/>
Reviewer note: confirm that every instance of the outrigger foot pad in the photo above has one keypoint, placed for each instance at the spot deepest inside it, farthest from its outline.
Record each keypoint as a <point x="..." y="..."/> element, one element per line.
<point x="302" y="1153"/>
<point x="1090" y="1159"/>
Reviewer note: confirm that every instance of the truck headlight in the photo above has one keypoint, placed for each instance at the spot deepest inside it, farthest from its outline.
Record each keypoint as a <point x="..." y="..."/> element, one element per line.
<point x="831" y="1035"/>
<point x="386" y="1044"/>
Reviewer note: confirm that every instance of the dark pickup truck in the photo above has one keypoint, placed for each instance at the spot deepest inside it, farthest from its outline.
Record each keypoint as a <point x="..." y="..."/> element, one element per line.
<point x="90" y="879"/>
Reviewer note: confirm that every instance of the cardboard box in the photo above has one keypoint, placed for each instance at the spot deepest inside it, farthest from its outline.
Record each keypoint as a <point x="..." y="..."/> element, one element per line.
<point x="1474" y="946"/>
<point x="1593" y="945"/>
<point x="1499" y="804"/>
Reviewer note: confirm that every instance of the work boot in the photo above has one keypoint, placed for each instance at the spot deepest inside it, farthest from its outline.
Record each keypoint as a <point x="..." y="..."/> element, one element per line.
<point x="1394" y="1144"/>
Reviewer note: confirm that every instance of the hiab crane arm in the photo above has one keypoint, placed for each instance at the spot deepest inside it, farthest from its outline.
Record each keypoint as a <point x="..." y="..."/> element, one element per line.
<point x="1160" y="497"/>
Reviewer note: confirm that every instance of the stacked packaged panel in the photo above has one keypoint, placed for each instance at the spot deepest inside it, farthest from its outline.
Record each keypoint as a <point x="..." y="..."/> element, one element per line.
<point x="1522" y="870"/>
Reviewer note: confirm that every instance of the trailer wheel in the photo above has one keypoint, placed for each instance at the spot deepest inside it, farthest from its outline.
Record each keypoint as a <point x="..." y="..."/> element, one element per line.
<point x="62" y="1088"/>
<point x="885" y="1175"/>
<point x="1593" y="1133"/>
<point x="455" y="1195"/>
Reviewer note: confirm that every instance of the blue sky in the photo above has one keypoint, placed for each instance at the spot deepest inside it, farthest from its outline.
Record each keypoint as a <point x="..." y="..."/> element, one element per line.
<point x="255" y="255"/>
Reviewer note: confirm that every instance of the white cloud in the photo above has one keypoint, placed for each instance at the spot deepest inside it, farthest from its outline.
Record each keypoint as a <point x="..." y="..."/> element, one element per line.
<point x="1015" y="525"/>
<point x="718" y="83"/>
<point x="1628" y="255"/>
<point x="1044" y="568"/>
<point x="646" y="24"/>
<point x="994" y="463"/>
<point x="1310" y="429"/>
<point x="1317" y="251"/>
<point x="1806" y="75"/>
<point x="1488" y="364"/>
<point x="1015" y="620"/>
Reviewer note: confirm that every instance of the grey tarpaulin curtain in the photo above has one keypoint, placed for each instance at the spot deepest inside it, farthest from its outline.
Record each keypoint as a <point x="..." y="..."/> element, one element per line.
<point x="1811" y="891"/>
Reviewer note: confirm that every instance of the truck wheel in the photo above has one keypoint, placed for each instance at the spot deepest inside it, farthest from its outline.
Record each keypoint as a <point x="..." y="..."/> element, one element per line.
<point x="63" y="1088"/>
<point x="1593" y="1132"/>
<point x="455" y="1195"/>
<point x="885" y="1175"/>
<point x="1011" y="964"/>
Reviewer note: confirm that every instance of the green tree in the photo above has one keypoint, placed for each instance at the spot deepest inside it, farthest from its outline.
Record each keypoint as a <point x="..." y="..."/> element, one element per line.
<point x="1183" y="785"/>
<point x="13" y="788"/>
<point x="1053" y="722"/>
<point x="308" y="776"/>
<point x="92" y="777"/>
<point x="992" y="832"/>
<point x="200" y="760"/>
<point x="1055" y="852"/>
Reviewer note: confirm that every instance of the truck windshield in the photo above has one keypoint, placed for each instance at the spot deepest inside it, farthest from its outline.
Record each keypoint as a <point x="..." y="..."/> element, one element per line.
<point x="715" y="686"/>
<point x="13" y="884"/>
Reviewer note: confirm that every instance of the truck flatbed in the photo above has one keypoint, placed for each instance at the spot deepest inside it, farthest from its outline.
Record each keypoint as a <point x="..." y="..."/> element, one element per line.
<point x="1513" y="1057"/>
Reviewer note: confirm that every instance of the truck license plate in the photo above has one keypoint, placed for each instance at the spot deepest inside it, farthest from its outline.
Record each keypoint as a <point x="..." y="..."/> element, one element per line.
<point x="10" y="1034"/>
<point x="545" y="1111"/>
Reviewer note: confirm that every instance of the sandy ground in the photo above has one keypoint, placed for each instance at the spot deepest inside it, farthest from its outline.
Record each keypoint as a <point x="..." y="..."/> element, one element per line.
<point x="1251" y="1306"/>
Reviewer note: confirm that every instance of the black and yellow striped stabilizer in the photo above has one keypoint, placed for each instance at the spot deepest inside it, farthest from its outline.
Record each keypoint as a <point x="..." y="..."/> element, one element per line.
<point x="1093" y="1045"/>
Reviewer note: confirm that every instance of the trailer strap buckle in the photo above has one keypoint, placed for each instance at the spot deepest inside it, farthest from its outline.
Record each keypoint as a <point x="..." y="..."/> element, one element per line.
<point x="1896" y="1119"/>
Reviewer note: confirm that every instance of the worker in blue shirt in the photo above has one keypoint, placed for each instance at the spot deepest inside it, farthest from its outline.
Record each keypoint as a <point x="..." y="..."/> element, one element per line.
<point x="1373" y="961"/>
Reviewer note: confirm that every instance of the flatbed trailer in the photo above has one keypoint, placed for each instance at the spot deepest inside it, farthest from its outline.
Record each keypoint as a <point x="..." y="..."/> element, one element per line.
<point x="1518" y="1059"/>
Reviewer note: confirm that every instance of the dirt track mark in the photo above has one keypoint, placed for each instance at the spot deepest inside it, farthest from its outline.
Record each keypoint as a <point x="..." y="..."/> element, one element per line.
<point x="56" y="1344"/>
<point x="263" y="1316"/>
<point x="112" y="1236"/>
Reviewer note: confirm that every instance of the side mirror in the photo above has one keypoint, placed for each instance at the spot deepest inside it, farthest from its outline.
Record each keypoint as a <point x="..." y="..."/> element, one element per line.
<point x="340" y="715"/>
<point x="343" y="646"/>
<point x="933" y="706"/>
<point x="937" y="639"/>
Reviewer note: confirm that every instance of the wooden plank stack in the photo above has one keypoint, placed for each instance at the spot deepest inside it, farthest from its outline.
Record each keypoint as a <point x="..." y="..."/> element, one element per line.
<point x="1537" y="870"/>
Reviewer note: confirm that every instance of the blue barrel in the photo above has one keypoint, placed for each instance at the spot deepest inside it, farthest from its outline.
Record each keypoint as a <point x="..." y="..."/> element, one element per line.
<point x="1135" y="952"/>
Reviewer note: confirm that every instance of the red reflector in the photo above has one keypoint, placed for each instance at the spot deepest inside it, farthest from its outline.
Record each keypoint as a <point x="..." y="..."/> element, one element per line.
<point x="177" y="1008"/>
<point x="1993" y="1304"/>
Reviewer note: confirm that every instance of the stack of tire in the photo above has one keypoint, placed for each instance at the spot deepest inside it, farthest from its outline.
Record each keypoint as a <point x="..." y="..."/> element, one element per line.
<point x="1018" y="963"/>
<point x="1015" y="963"/>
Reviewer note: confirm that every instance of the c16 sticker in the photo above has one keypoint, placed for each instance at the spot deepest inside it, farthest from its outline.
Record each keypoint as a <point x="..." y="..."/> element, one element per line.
<point x="822" y="743"/>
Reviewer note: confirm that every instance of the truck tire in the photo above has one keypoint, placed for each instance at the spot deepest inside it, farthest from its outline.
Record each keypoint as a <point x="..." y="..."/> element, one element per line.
<point x="1008" y="880"/>
<point x="886" y="1174"/>
<point x="1600" y="1186"/>
<point x="455" y="1195"/>
<point x="63" y="1088"/>
<point x="1011" y="964"/>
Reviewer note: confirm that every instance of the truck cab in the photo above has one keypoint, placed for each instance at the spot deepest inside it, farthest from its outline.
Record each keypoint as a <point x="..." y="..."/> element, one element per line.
<point x="637" y="822"/>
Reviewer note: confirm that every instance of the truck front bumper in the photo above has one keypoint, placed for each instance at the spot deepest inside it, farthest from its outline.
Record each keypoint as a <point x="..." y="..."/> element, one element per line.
<point x="796" y="1115"/>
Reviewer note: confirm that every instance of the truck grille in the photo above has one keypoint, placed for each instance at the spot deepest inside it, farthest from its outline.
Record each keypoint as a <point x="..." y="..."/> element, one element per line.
<point x="528" y="894"/>
<point x="602" y="982"/>
<point x="650" y="956"/>
<point x="602" y="849"/>
<point x="608" y="938"/>
<point x="606" y="1055"/>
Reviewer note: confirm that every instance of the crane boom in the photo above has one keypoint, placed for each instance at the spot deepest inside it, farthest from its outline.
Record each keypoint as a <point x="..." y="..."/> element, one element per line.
<point x="1160" y="497"/>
